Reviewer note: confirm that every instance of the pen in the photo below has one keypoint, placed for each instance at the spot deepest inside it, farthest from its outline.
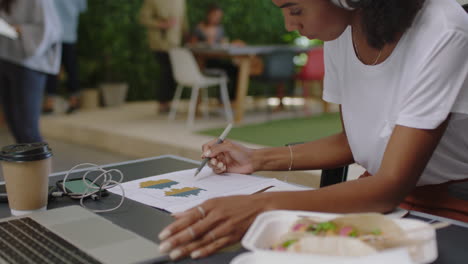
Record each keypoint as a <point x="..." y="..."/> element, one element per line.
<point x="220" y="140"/>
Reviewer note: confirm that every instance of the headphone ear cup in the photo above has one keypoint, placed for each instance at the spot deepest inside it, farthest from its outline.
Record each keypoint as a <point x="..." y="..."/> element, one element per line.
<point x="347" y="4"/>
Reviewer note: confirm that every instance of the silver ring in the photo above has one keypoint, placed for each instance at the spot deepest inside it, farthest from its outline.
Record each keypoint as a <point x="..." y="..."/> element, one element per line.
<point x="212" y="236"/>
<point x="202" y="211"/>
<point x="192" y="233"/>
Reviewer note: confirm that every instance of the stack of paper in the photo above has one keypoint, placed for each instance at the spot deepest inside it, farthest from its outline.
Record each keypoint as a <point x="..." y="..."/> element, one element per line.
<point x="7" y="30"/>
<point x="179" y="191"/>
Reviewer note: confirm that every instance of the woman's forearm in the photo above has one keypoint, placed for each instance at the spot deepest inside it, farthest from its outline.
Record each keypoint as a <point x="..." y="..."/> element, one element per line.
<point x="404" y="161"/>
<point x="369" y="194"/>
<point x="329" y="152"/>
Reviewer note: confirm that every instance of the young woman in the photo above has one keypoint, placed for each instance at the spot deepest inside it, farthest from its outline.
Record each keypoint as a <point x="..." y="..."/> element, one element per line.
<point x="211" y="32"/>
<point x="398" y="69"/>
<point x="25" y="63"/>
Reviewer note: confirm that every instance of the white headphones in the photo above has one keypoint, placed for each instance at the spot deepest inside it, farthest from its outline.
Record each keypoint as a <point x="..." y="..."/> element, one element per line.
<point x="346" y="4"/>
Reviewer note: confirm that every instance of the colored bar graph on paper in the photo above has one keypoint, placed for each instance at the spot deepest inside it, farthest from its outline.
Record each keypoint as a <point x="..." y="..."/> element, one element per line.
<point x="160" y="184"/>
<point x="184" y="192"/>
<point x="179" y="191"/>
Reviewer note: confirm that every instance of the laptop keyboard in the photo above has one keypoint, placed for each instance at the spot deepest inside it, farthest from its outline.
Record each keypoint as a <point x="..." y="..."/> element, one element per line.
<point x="26" y="241"/>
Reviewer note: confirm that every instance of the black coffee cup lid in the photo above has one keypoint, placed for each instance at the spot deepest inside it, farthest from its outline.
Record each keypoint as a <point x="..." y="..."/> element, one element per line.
<point x="26" y="152"/>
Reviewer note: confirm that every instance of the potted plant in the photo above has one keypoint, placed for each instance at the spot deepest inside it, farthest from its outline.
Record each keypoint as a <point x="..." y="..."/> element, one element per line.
<point x="88" y="80"/>
<point x="104" y="51"/>
<point x="113" y="87"/>
<point x="115" y="55"/>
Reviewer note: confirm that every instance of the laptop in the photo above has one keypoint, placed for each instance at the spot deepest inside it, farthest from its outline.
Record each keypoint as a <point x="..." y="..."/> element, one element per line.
<point x="72" y="235"/>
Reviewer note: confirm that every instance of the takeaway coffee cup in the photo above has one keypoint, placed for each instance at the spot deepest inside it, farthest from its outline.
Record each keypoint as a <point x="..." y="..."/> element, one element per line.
<point x="26" y="169"/>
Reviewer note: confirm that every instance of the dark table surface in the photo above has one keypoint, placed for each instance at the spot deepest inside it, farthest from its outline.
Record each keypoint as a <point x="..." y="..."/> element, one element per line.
<point x="148" y="222"/>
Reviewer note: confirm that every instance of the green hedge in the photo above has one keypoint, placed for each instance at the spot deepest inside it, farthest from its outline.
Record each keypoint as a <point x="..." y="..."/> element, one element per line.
<point x="113" y="47"/>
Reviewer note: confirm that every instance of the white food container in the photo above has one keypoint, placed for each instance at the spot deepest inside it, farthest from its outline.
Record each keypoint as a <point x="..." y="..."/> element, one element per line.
<point x="398" y="256"/>
<point x="268" y="228"/>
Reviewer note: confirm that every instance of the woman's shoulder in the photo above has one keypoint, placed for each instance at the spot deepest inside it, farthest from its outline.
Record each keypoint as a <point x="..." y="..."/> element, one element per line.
<point x="440" y="23"/>
<point x="335" y="47"/>
<point x="442" y="16"/>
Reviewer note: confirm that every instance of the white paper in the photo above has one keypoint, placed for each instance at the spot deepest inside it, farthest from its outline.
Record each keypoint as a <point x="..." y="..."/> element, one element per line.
<point x="280" y="186"/>
<point x="7" y="30"/>
<point x="179" y="191"/>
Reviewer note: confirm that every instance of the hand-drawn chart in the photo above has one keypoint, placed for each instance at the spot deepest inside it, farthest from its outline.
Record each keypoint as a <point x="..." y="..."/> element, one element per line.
<point x="184" y="192"/>
<point x="160" y="184"/>
<point x="179" y="191"/>
<point x="165" y="183"/>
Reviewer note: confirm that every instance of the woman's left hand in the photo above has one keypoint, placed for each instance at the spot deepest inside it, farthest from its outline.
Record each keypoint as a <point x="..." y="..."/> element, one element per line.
<point x="215" y="224"/>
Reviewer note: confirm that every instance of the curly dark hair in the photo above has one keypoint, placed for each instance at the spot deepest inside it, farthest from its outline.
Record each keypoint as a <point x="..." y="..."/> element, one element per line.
<point x="5" y="5"/>
<point x="383" y="20"/>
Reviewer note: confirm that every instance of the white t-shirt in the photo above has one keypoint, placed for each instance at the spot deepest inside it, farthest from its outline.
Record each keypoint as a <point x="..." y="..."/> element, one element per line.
<point x="419" y="85"/>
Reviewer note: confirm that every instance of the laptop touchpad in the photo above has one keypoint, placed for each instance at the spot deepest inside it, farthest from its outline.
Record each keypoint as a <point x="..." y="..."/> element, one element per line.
<point x="92" y="232"/>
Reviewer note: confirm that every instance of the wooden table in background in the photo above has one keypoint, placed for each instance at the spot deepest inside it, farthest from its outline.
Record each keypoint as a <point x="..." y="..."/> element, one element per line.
<point x="244" y="56"/>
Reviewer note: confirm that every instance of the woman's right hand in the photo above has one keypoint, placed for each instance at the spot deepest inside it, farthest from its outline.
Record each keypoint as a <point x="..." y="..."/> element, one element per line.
<point x="229" y="157"/>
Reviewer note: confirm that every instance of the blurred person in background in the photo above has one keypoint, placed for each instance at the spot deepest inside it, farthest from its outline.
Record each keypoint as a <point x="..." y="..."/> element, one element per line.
<point x="166" y="23"/>
<point x="25" y="63"/>
<point x="211" y="32"/>
<point x="69" y="13"/>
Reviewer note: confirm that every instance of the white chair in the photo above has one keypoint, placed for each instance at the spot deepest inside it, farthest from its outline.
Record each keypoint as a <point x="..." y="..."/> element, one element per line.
<point x="187" y="74"/>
